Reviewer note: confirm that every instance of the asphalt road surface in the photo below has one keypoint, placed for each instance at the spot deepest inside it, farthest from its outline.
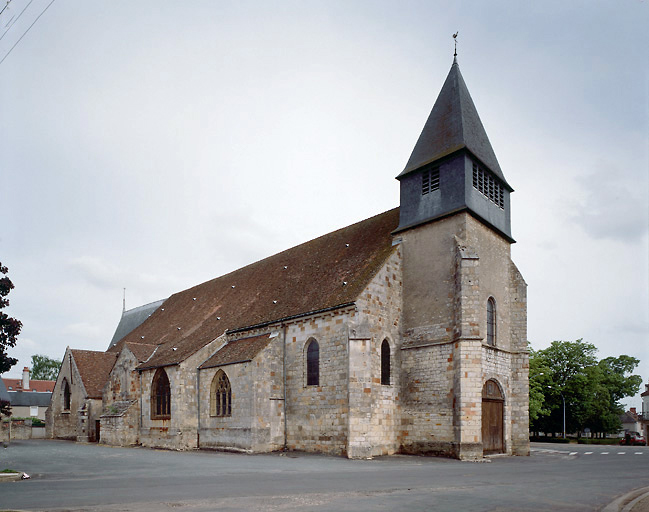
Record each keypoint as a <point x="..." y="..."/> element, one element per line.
<point x="70" y="476"/>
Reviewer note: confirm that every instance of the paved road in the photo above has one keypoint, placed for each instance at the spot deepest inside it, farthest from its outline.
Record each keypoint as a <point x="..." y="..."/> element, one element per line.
<point x="70" y="476"/>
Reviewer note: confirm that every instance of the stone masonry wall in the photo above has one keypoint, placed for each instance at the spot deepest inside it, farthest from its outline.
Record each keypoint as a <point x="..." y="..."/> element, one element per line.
<point x="231" y="432"/>
<point x="317" y="416"/>
<point x="180" y="432"/>
<point x="374" y="408"/>
<point x="451" y="268"/>
<point x="65" y="423"/>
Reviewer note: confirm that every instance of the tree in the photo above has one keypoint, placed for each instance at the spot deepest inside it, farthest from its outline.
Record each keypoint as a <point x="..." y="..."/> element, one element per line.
<point x="539" y="381"/>
<point x="568" y="374"/>
<point x="44" y="368"/>
<point x="9" y="331"/>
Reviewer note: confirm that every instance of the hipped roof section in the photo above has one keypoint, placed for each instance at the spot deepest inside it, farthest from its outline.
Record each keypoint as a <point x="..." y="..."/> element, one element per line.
<point x="327" y="272"/>
<point x="94" y="368"/>
<point x="453" y="124"/>
<point x="132" y="318"/>
<point x="238" y="351"/>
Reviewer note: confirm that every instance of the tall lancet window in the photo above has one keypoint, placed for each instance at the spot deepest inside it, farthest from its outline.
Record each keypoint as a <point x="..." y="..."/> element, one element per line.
<point x="66" y="395"/>
<point x="491" y="322"/>
<point x="313" y="364"/>
<point x="385" y="363"/>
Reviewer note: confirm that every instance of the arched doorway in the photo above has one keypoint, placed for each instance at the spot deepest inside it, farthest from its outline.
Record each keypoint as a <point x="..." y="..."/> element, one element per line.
<point x="492" y="418"/>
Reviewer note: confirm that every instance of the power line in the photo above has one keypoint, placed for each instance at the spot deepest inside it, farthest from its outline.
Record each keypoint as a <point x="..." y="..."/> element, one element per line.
<point x="3" y="9"/>
<point x="17" y="18"/>
<point x="25" y="33"/>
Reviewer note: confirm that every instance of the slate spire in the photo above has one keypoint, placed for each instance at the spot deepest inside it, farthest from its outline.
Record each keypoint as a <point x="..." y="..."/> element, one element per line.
<point x="452" y="125"/>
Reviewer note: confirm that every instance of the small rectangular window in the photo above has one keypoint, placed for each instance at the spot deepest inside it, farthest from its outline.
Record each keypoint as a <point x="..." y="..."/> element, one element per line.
<point x="429" y="180"/>
<point x="489" y="186"/>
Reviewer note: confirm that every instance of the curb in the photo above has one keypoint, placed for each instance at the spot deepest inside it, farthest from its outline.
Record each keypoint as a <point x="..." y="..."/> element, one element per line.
<point x="11" y="477"/>
<point x="629" y="501"/>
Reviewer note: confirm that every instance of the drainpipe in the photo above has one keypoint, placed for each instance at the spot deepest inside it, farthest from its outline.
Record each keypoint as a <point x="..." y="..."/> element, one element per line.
<point x="141" y="403"/>
<point x="198" y="406"/>
<point x="284" y="377"/>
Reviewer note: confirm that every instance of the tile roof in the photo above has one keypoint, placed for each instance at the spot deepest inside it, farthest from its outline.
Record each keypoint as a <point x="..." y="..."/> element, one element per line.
<point x="141" y="351"/>
<point x="238" y="351"/>
<point x="94" y="368"/>
<point x="42" y="386"/>
<point x="326" y="272"/>
<point x="133" y="318"/>
<point x="453" y="124"/>
<point x="628" y="417"/>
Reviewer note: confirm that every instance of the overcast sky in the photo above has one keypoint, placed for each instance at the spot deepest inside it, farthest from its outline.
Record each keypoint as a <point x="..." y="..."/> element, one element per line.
<point x="153" y="145"/>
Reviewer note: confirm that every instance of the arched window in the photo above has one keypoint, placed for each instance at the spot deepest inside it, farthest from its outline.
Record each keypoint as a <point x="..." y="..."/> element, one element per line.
<point x="491" y="322"/>
<point x="313" y="364"/>
<point x="66" y="395"/>
<point x="220" y="395"/>
<point x="160" y="396"/>
<point x="385" y="363"/>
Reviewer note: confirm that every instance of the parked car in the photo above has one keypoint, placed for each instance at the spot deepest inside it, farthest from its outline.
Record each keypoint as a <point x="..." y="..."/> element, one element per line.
<point x="633" y="439"/>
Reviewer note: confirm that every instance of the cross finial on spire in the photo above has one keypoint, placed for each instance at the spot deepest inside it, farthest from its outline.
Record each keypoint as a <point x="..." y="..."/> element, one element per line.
<point x="455" y="40"/>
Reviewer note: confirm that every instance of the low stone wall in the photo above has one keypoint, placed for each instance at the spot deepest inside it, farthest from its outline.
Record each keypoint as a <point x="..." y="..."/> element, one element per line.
<point x="121" y="427"/>
<point x="20" y="430"/>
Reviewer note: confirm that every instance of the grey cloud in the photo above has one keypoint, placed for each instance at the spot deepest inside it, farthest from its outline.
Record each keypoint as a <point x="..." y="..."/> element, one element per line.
<point x="615" y="205"/>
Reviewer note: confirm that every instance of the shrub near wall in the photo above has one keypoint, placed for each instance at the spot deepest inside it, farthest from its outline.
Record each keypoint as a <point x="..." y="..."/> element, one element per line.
<point x="558" y="440"/>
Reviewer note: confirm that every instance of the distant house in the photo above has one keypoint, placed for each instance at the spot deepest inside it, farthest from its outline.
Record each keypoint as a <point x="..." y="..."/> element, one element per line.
<point x="27" y="384"/>
<point x="631" y="422"/>
<point x="645" y="411"/>
<point x="29" y="398"/>
<point x="4" y="396"/>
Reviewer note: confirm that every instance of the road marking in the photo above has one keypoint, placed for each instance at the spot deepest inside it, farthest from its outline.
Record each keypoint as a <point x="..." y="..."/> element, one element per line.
<point x="621" y="453"/>
<point x="638" y="453"/>
<point x="588" y="453"/>
<point x="604" y="453"/>
<point x="573" y="453"/>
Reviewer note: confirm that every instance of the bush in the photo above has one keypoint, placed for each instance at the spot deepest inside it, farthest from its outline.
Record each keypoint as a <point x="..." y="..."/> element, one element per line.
<point x="587" y="440"/>
<point x="547" y="439"/>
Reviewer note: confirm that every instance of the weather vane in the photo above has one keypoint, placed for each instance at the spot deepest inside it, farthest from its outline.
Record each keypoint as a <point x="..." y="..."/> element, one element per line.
<point x="455" y="39"/>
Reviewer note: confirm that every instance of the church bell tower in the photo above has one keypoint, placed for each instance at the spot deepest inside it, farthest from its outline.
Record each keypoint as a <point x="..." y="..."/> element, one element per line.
<point x="464" y="302"/>
<point x="453" y="167"/>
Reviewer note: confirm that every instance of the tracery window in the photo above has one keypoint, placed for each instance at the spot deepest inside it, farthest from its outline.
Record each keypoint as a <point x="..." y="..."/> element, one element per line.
<point x="313" y="363"/>
<point x="160" y="396"/>
<point x="385" y="363"/>
<point x="221" y="395"/>
<point x="66" y="395"/>
<point x="491" y="322"/>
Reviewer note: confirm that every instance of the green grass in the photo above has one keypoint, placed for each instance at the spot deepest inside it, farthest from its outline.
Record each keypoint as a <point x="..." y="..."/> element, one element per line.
<point x="9" y="471"/>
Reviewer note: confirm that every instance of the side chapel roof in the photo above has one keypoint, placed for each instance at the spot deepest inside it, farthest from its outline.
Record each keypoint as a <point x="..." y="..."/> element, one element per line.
<point x="324" y="273"/>
<point x="238" y="351"/>
<point x="94" y="368"/>
<point x="453" y="124"/>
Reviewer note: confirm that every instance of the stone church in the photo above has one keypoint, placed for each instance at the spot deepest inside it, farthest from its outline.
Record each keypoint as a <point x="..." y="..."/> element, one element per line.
<point x="402" y="333"/>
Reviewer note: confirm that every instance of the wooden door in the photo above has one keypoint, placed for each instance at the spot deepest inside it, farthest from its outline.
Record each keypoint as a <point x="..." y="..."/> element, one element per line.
<point x="97" y="430"/>
<point x="492" y="418"/>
